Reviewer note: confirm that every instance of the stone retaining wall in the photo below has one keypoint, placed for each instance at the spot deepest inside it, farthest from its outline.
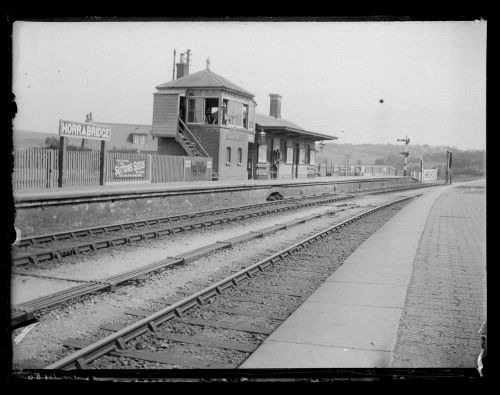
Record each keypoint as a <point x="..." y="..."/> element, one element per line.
<point x="44" y="219"/>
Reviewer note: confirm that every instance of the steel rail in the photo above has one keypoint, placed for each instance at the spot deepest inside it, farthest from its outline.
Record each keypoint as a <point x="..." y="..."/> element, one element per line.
<point x="116" y="227"/>
<point x="97" y="230"/>
<point x="26" y="311"/>
<point x="118" y="340"/>
<point x="36" y="257"/>
<point x="61" y="236"/>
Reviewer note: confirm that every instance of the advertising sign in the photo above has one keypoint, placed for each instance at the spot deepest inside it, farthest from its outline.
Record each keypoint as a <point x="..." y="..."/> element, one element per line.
<point x="86" y="130"/>
<point x="199" y="168"/>
<point x="129" y="168"/>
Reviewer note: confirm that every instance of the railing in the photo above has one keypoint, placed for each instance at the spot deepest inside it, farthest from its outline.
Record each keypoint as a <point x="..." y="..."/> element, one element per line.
<point x="190" y="136"/>
<point x="331" y="169"/>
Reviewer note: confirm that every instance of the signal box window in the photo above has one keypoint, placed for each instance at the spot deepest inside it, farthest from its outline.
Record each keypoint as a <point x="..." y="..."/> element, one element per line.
<point x="195" y="110"/>
<point x="212" y="111"/>
<point x="240" y="155"/>
<point x="228" y="155"/>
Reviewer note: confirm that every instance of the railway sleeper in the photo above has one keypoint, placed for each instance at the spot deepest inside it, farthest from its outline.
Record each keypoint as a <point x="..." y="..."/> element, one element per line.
<point x="161" y="357"/>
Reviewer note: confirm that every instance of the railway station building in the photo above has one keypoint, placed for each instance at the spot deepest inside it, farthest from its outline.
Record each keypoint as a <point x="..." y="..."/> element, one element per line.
<point x="204" y="114"/>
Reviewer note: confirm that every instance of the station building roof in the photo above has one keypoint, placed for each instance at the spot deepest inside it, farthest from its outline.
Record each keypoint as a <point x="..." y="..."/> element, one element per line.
<point x="205" y="79"/>
<point x="271" y="124"/>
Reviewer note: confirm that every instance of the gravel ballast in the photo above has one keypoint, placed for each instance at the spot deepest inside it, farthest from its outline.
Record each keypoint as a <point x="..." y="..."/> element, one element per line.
<point x="82" y="319"/>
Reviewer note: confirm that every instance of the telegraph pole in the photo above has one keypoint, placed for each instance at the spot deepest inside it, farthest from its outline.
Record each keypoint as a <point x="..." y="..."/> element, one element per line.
<point x="448" y="166"/>
<point x="406" y="140"/>
<point x="347" y="170"/>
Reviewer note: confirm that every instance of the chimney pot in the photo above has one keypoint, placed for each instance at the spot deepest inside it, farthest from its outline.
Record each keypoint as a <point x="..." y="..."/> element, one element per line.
<point x="275" y="105"/>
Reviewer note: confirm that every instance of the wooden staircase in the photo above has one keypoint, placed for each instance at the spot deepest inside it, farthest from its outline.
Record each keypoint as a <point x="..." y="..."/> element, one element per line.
<point x="191" y="145"/>
<point x="188" y="145"/>
<point x="187" y="140"/>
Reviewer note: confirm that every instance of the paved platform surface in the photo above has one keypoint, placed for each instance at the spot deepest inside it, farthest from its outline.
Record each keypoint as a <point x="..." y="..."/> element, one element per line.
<point x="412" y="295"/>
<point x="144" y="187"/>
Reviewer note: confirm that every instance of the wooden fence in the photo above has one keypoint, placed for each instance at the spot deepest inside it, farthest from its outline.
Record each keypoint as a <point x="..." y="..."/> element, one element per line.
<point x="81" y="168"/>
<point x="38" y="168"/>
<point x="35" y="168"/>
<point x="166" y="168"/>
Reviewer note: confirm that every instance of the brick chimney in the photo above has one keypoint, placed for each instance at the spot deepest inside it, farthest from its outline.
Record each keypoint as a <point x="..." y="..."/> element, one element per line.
<point x="182" y="67"/>
<point x="275" y="107"/>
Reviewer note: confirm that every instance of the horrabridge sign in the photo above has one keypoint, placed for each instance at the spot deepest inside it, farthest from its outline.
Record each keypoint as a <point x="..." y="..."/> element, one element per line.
<point x="86" y="130"/>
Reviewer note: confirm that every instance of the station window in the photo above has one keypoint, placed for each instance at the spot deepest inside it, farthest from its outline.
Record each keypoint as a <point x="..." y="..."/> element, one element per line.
<point x="240" y="155"/>
<point x="140" y="139"/>
<point x="302" y="156"/>
<point x="245" y="116"/>
<point x="308" y="154"/>
<point x="283" y="150"/>
<point x="224" y="111"/>
<point x="289" y="154"/>
<point x="195" y="110"/>
<point x="234" y="113"/>
<point x="251" y="118"/>
<point x="212" y="111"/>
<point x="228" y="155"/>
<point x="312" y="156"/>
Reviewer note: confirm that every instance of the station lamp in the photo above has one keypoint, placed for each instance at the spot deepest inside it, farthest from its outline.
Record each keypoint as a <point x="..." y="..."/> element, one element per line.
<point x="321" y="146"/>
<point x="261" y="139"/>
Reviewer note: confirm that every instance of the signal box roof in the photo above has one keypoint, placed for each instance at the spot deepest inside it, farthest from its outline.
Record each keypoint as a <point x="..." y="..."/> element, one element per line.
<point x="205" y="79"/>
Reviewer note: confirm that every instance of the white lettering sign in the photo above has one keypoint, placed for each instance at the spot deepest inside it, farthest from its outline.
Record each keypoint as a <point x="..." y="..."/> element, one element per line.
<point x="91" y="131"/>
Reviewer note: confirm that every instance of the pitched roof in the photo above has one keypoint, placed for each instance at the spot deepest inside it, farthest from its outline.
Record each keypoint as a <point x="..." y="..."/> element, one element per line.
<point x="267" y="121"/>
<point x="204" y="79"/>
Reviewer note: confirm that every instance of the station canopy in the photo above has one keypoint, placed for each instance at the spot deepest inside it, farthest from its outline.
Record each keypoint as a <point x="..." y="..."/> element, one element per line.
<point x="272" y="125"/>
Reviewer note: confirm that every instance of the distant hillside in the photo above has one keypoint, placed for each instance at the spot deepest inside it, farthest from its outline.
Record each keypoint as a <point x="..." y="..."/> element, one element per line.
<point x="28" y="139"/>
<point x="470" y="162"/>
<point x="368" y="153"/>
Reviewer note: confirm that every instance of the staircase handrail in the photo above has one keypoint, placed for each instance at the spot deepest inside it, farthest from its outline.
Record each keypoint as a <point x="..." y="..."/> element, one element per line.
<point x="191" y="136"/>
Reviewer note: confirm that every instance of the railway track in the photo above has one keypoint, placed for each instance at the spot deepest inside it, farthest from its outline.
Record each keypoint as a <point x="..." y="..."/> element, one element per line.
<point x="26" y="311"/>
<point x="38" y="249"/>
<point x="227" y="319"/>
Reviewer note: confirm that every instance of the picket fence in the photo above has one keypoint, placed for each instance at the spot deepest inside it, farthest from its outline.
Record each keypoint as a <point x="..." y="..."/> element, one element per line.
<point x="39" y="168"/>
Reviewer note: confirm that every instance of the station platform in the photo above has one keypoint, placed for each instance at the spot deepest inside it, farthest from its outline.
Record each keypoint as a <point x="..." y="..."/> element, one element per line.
<point x="45" y="211"/>
<point x="413" y="295"/>
<point x="127" y="188"/>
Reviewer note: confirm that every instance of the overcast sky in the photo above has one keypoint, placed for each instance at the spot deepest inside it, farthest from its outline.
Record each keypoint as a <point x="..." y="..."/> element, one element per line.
<point x="431" y="75"/>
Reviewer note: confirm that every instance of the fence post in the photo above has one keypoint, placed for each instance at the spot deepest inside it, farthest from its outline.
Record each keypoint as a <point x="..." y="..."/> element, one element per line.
<point x="62" y="149"/>
<point x="101" y="165"/>
<point x="150" y="166"/>
<point x="184" y="169"/>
